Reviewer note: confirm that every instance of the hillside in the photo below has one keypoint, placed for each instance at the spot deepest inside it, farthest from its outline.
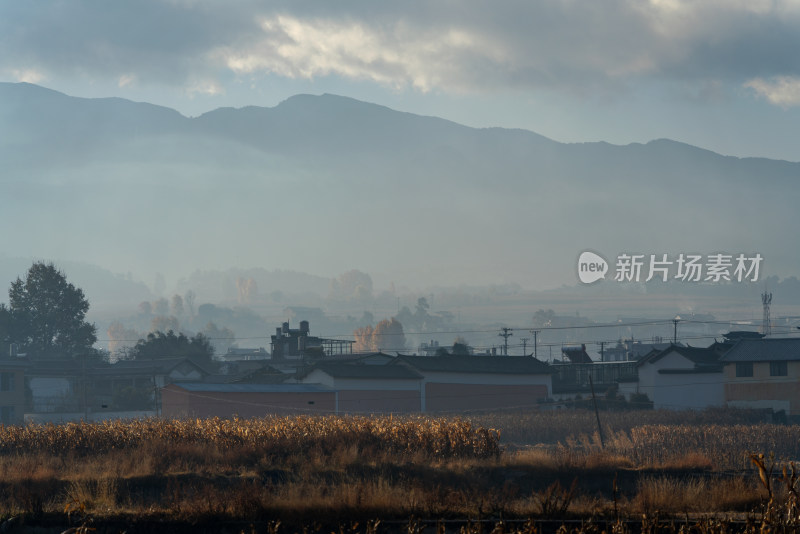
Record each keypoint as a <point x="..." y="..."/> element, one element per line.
<point x="323" y="184"/>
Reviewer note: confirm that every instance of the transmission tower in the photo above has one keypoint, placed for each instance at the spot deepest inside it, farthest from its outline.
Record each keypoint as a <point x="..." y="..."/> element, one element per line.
<point x="766" y="323"/>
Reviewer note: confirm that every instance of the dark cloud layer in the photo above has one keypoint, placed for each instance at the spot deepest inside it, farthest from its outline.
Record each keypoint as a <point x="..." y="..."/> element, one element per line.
<point x="449" y="46"/>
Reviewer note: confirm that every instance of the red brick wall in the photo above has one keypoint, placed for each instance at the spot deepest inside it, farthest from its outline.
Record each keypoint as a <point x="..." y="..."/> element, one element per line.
<point x="379" y="401"/>
<point x="756" y="391"/>
<point x="460" y="397"/>
<point x="181" y="403"/>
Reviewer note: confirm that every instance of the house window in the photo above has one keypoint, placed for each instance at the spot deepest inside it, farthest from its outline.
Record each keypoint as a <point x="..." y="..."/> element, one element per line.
<point x="7" y="381"/>
<point x="778" y="368"/>
<point x="744" y="369"/>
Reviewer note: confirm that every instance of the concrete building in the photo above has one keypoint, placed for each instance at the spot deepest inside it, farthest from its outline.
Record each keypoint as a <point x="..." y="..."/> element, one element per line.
<point x="680" y="378"/>
<point x="367" y="388"/>
<point x="463" y="383"/>
<point x="572" y="379"/>
<point x="764" y="373"/>
<point x="298" y="344"/>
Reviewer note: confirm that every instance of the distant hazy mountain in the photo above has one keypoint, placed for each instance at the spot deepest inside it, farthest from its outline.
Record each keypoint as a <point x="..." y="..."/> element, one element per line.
<point x="323" y="184"/>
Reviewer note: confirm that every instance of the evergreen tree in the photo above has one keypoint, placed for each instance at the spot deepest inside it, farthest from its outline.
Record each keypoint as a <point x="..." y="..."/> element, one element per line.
<point x="47" y="314"/>
<point x="160" y="345"/>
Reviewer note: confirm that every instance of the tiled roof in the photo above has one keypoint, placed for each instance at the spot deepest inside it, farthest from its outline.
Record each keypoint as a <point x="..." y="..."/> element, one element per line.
<point x="358" y="357"/>
<point x="576" y="354"/>
<point x="696" y="355"/>
<point x="763" y="350"/>
<point x="699" y="370"/>
<point x="133" y="368"/>
<point x="354" y="370"/>
<point x="517" y="365"/>
<point x="251" y="388"/>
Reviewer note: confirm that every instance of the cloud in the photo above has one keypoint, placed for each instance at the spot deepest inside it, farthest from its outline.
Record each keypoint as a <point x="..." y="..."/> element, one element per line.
<point x="126" y="79"/>
<point x="396" y="56"/>
<point x="205" y="87"/>
<point x="27" y="75"/>
<point x="782" y="91"/>
<point x="448" y="46"/>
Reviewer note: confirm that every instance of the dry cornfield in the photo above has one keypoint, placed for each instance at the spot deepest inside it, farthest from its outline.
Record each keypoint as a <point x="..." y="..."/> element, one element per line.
<point x="724" y="437"/>
<point x="432" y="437"/>
<point x="341" y="468"/>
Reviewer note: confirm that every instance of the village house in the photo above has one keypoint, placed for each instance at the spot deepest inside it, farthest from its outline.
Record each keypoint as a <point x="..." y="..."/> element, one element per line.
<point x="573" y="379"/>
<point x="576" y="354"/>
<point x="72" y="390"/>
<point x="764" y="373"/>
<point x="680" y="378"/>
<point x="631" y="350"/>
<point x="365" y="388"/>
<point x="464" y="383"/>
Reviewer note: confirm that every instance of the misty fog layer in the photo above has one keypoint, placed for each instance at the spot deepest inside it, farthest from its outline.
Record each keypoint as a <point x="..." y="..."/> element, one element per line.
<point x="323" y="184"/>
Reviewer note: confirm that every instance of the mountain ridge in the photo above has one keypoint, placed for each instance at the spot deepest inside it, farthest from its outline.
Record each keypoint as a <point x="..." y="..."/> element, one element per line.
<point x="329" y="183"/>
<point x="20" y="88"/>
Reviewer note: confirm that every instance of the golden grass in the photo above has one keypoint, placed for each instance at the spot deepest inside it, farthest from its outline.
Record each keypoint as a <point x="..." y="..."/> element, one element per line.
<point x="340" y="468"/>
<point x="435" y="437"/>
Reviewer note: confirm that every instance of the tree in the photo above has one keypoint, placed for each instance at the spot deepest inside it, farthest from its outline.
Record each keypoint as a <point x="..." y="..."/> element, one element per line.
<point x="189" y="299"/>
<point x="121" y="340"/>
<point x="221" y="338"/>
<point x="460" y="347"/>
<point x="352" y="285"/>
<point x="161" y="306"/>
<point x="422" y="308"/>
<point x="47" y="313"/>
<point x="160" y="345"/>
<point x="176" y="305"/>
<point x="162" y="323"/>
<point x="6" y="328"/>
<point x="247" y="290"/>
<point x="363" y="338"/>
<point x="145" y="308"/>
<point x="389" y="335"/>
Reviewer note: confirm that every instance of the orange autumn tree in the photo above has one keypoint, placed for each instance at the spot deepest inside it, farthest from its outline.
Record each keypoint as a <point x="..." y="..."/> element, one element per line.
<point x="387" y="335"/>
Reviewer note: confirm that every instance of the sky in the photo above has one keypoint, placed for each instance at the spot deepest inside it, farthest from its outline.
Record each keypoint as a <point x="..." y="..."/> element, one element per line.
<point x="720" y="74"/>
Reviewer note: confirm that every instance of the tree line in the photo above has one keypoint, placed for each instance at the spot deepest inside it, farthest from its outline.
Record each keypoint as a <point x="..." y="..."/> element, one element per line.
<point x="46" y="319"/>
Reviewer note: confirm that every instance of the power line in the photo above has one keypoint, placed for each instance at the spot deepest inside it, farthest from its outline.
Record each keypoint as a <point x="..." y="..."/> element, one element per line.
<point x="471" y="331"/>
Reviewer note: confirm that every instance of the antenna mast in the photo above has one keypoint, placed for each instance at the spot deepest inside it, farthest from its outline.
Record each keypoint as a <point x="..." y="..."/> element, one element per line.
<point x="766" y="323"/>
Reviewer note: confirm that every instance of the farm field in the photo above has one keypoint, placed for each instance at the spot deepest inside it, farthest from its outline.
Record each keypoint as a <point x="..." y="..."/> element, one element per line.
<point x="526" y="472"/>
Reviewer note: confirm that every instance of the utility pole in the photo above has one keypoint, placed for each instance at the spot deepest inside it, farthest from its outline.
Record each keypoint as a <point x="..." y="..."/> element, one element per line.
<point x="505" y="334"/>
<point x="535" y="334"/>
<point x="675" y="329"/>
<point x="524" y="345"/>
<point x="602" y="351"/>
<point x="597" y="413"/>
